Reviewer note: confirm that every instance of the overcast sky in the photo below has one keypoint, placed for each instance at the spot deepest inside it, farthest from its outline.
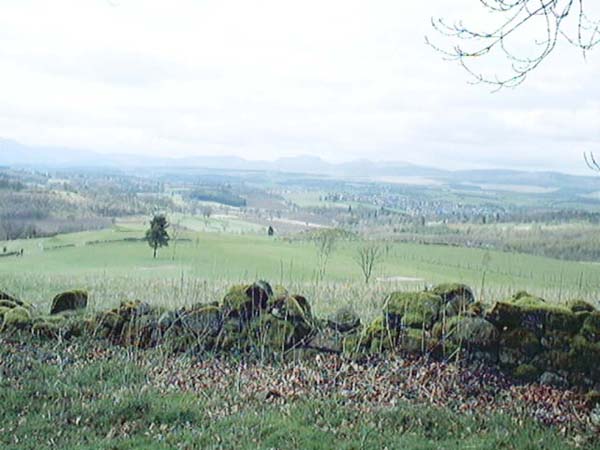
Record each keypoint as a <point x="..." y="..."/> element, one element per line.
<point x="340" y="79"/>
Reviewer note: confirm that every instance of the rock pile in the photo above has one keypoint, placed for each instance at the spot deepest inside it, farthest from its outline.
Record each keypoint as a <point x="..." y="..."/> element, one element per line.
<point x="525" y="336"/>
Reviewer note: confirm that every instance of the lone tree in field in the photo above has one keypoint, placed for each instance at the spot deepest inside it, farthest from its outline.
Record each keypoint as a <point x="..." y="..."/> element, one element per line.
<point x="368" y="256"/>
<point x="157" y="235"/>
<point x="540" y="23"/>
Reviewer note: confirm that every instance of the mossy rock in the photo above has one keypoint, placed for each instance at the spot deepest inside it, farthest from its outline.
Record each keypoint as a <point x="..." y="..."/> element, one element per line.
<point x="9" y="304"/>
<point x="412" y="309"/>
<point x="578" y="306"/>
<point x="275" y="334"/>
<point x="585" y="355"/>
<point x="533" y="314"/>
<point x="523" y="340"/>
<point x="69" y="301"/>
<point x="247" y="301"/>
<point x="3" y="311"/>
<point x="553" y="361"/>
<point x="412" y="340"/>
<point x="64" y="325"/>
<point x="293" y="308"/>
<point x="591" y="326"/>
<point x="456" y="297"/>
<point x="19" y="318"/>
<point x="519" y="295"/>
<point x="204" y="321"/>
<point x="556" y="340"/>
<point x="378" y="337"/>
<point x="279" y="291"/>
<point x="10" y="298"/>
<point x="592" y="399"/>
<point x="344" y="320"/>
<point x="471" y="332"/>
<point x="526" y="372"/>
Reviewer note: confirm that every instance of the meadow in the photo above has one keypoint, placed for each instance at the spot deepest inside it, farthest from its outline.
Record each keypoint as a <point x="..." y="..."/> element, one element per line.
<point x="114" y="264"/>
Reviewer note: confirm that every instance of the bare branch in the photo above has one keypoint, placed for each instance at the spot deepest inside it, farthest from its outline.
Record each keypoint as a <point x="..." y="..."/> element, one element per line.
<point x="555" y="19"/>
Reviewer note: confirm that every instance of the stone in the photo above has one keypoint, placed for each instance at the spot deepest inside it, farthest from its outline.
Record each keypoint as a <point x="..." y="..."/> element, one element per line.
<point x="412" y="309"/>
<point x="69" y="301"/>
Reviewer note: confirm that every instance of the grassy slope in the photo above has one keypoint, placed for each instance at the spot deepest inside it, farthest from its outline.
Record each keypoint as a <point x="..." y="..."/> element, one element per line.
<point x="74" y="397"/>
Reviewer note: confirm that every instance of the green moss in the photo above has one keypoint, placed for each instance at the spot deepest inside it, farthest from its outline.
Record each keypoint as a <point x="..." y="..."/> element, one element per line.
<point x="18" y="317"/>
<point x="584" y="355"/>
<point x="591" y="326"/>
<point x="518" y="346"/>
<point x="3" y="311"/>
<point x="274" y="333"/>
<point x="553" y="360"/>
<point x="580" y="306"/>
<point x="455" y="296"/>
<point x="592" y="399"/>
<point x="204" y="321"/>
<point x="8" y="304"/>
<point x="378" y="337"/>
<point x="295" y="309"/>
<point x="344" y="320"/>
<point x="71" y="300"/>
<point x="412" y="309"/>
<point x="247" y="301"/>
<point x="468" y="331"/>
<point x="526" y="372"/>
<point x="535" y="314"/>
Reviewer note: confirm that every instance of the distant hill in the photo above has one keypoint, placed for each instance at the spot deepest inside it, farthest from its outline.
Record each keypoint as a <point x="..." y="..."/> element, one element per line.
<point x="14" y="154"/>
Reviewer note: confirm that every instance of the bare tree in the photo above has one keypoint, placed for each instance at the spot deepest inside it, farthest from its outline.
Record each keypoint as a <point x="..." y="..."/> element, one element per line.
<point x="325" y="241"/>
<point x="206" y="213"/>
<point x="368" y="256"/>
<point x="549" y="20"/>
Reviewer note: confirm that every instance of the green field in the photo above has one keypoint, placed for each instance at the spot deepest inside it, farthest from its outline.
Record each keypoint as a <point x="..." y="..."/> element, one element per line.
<point x="113" y="266"/>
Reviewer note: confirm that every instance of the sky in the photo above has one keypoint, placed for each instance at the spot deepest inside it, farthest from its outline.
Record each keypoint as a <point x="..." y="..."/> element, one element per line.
<point x="262" y="79"/>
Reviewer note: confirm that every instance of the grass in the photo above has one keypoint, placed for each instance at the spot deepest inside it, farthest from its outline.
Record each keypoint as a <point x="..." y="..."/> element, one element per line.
<point x="84" y="396"/>
<point x="203" y="265"/>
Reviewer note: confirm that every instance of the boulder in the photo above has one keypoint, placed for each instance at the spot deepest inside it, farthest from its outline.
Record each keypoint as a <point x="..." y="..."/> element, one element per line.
<point x="526" y="372"/>
<point x="456" y="297"/>
<point x="412" y="309"/>
<point x="554" y="380"/>
<point x="18" y="318"/>
<point x="344" y="320"/>
<point x="472" y="332"/>
<point x="534" y="314"/>
<point x="69" y="301"/>
<point x="10" y="298"/>
<point x="578" y="306"/>
<point x="247" y="301"/>
<point x="591" y="326"/>
<point x="202" y="321"/>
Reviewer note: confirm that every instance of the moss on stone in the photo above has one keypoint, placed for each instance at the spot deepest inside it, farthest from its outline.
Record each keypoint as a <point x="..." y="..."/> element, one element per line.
<point x="577" y="306"/>
<point x="526" y="372"/>
<point x="553" y="360"/>
<point x="534" y="314"/>
<point x="344" y="320"/>
<point x="412" y="309"/>
<point x="456" y="297"/>
<point x="70" y="300"/>
<point x="8" y="304"/>
<point x="18" y="317"/>
<point x="247" y="301"/>
<point x="591" y="326"/>
<point x="521" y="339"/>
<point x="471" y="332"/>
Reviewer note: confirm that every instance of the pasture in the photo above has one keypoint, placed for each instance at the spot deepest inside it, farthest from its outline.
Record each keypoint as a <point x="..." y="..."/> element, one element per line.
<point x="115" y="264"/>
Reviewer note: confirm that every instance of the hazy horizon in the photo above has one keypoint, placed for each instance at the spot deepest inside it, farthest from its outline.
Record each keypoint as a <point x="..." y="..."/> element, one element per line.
<point x="342" y="81"/>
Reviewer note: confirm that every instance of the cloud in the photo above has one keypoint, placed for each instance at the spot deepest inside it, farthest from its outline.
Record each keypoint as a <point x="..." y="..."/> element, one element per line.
<point x="338" y="79"/>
